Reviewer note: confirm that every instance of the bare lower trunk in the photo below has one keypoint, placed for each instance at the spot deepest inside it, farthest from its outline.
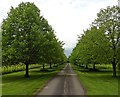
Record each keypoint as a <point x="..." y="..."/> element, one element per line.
<point x="50" y="65"/>
<point x="86" y="66"/>
<point x="27" y="70"/>
<point x="94" y="66"/>
<point x="43" y="66"/>
<point x="114" y="69"/>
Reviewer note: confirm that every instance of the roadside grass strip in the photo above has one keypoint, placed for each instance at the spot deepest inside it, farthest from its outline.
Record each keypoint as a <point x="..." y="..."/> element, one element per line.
<point x="17" y="84"/>
<point x="98" y="82"/>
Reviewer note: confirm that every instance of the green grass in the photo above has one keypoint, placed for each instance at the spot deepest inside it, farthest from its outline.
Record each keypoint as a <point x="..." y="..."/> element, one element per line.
<point x="98" y="82"/>
<point x="17" y="84"/>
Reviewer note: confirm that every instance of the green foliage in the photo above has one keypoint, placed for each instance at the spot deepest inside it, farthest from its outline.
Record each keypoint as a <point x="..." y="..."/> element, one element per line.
<point x="21" y="34"/>
<point x="90" y="47"/>
<point x="28" y="38"/>
<point x="101" y="43"/>
<point x="109" y="19"/>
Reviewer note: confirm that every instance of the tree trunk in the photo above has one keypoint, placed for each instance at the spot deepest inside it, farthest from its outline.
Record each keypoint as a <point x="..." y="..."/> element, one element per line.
<point x="27" y="70"/>
<point x="114" y="63"/>
<point x="50" y="65"/>
<point x="43" y="66"/>
<point x="119" y="67"/>
<point x="94" y="66"/>
<point x="86" y="66"/>
<point x="114" y="68"/>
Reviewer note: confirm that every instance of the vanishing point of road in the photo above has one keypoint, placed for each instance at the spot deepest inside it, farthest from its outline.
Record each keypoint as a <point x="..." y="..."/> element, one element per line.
<point x="65" y="83"/>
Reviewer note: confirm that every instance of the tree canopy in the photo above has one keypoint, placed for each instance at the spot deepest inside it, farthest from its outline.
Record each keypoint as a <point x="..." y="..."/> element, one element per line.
<point x="28" y="38"/>
<point x="101" y="43"/>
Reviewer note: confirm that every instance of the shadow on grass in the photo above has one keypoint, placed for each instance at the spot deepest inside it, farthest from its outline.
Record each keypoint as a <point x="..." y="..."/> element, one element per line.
<point x="17" y="77"/>
<point x="95" y="70"/>
<point x="106" y="74"/>
<point x="34" y="74"/>
<point x="48" y="70"/>
<point x="55" y="66"/>
<point x="43" y="70"/>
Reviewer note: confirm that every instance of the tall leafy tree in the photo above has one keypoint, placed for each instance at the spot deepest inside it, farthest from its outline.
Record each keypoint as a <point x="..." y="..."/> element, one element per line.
<point x="109" y="18"/>
<point x="50" y="47"/>
<point x="21" y="35"/>
<point x="28" y="38"/>
<point x="101" y="43"/>
<point x="91" y="47"/>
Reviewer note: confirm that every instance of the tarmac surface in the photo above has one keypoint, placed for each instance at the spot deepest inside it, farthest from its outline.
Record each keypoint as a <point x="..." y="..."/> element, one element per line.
<point x="65" y="83"/>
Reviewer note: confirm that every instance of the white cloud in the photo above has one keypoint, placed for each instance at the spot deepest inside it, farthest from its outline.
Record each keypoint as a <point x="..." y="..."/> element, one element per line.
<point x="69" y="18"/>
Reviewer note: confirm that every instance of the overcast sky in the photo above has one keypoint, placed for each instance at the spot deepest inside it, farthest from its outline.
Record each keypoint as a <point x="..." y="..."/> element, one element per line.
<point x="68" y="17"/>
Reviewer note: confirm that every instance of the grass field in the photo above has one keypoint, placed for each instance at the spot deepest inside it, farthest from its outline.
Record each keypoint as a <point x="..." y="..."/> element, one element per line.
<point x="98" y="82"/>
<point x="17" y="84"/>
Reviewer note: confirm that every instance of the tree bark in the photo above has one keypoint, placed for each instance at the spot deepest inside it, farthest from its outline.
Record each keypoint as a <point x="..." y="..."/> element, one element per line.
<point x="43" y="66"/>
<point x="50" y="65"/>
<point x="114" y="63"/>
<point x="86" y="66"/>
<point x="27" y="70"/>
<point x="94" y="66"/>
<point x="114" y="68"/>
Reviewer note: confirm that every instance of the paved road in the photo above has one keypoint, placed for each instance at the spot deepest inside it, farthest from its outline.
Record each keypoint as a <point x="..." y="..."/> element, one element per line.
<point x="65" y="83"/>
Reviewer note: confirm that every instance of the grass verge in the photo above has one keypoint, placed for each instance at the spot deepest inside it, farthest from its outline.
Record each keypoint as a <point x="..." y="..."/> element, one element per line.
<point x="97" y="82"/>
<point x="16" y="84"/>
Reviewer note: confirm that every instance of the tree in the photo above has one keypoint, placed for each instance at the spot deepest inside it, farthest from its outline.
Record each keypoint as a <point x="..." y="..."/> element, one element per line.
<point x="91" y="47"/>
<point x="101" y="43"/>
<point x="28" y="38"/>
<point x="21" y="35"/>
<point x="52" y="49"/>
<point x="109" y="19"/>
